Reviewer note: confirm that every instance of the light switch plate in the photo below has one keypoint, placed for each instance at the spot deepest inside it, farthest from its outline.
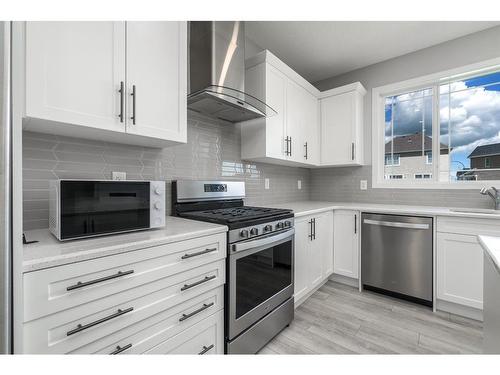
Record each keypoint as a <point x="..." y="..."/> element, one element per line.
<point x="363" y="184"/>
<point x="119" y="176"/>
<point x="266" y="183"/>
<point x="299" y="184"/>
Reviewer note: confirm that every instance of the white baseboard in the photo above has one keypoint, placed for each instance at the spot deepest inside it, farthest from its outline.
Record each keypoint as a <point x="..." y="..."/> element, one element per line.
<point x="454" y="308"/>
<point x="345" y="280"/>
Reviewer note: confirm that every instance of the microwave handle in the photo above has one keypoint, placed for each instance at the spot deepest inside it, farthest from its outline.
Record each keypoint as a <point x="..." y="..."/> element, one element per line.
<point x="268" y="240"/>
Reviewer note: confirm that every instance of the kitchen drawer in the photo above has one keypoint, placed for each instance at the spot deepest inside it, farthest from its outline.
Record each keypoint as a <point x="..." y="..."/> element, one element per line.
<point x="205" y="337"/>
<point x="468" y="226"/>
<point x="46" y="291"/>
<point x="159" y="310"/>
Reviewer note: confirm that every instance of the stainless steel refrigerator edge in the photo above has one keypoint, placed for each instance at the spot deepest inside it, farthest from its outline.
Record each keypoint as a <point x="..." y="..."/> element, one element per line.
<point x="5" y="191"/>
<point x="396" y="255"/>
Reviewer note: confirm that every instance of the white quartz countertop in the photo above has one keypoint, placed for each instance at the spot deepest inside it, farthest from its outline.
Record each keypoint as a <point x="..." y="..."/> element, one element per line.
<point x="49" y="252"/>
<point x="304" y="208"/>
<point x="491" y="246"/>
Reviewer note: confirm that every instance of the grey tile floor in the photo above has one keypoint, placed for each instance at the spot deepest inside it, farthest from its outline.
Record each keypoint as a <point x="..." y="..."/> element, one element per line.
<point x="337" y="319"/>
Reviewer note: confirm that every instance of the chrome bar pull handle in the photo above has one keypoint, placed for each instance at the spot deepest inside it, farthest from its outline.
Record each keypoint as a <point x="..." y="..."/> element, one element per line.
<point x="197" y="311"/>
<point x="204" y="280"/>
<point x="305" y="145"/>
<point x="352" y="151"/>
<point x="355" y="224"/>
<point x="120" y="349"/>
<point x="83" y="327"/>
<point x="122" y="98"/>
<point x="134" y="98"/>
<point x="81" y="284"/>
<point x="205" y="349"/>
<point x="206" y="251"/>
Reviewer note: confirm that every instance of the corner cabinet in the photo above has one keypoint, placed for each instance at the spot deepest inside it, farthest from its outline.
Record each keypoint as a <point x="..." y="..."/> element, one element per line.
<point x="341" y="126"/>
<point x="291" y="136"/>
<point x="346" y="243"/>
<point x="122" y="82"/>
<point x="313" y="253"/>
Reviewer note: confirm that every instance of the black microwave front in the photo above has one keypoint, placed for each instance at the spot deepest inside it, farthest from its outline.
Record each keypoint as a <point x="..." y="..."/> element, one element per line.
<point x="87" y="208"/>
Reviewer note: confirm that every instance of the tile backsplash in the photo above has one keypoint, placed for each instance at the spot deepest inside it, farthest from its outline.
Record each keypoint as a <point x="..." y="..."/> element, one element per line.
<point x="212" y="152"/>
<point x="342" y="185"/>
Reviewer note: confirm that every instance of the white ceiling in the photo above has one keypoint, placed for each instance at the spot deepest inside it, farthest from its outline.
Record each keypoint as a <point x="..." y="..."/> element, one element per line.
<point x="319" y="50"/>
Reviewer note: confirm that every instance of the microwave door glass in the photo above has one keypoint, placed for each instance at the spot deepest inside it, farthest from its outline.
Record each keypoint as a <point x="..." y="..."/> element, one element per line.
<point x="97" y="207"/>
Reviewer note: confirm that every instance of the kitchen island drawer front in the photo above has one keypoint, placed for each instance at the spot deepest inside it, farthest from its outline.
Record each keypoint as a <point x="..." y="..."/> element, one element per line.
<point x="205" y="337"/>
<point x="153" y="318"/>
<point x="469" y="226"/>
<point x="56" y="289"/>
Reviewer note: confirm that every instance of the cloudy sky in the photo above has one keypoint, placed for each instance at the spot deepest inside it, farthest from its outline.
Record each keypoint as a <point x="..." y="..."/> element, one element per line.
<point x="471" y="110"/>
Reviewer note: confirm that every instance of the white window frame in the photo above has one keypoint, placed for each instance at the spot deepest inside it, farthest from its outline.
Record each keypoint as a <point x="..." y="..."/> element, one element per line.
<point x="378" y="127"/>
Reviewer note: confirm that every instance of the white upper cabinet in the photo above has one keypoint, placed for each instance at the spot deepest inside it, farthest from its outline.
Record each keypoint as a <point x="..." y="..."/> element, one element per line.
<point x="342" y="126"/>
<point x="75" y="72"/>
<point x="311" y="128"/>
<point x="291" y="136"/>
<point x="156" y="68"/>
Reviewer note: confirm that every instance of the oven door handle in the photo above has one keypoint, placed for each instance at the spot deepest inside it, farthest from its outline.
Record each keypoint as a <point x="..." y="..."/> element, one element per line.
<point x="265" y="241"/>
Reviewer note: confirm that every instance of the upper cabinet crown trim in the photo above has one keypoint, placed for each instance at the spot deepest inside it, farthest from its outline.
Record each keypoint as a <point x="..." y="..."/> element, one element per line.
<point x="268" y="57"/>
<point x="356" y="86"/>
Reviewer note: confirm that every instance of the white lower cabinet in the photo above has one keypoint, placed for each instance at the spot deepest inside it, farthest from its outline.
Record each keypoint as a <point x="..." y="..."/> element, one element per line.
<point x="460" y="269"/>
<point x="460" y="260"/>
<point x="346" y="243"/>
<point x="153" y="308"/>
<point x="313" y="253"/>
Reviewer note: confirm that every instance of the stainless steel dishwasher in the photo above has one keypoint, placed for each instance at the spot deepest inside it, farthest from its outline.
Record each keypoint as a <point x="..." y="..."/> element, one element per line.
<point x="396" y="256"/>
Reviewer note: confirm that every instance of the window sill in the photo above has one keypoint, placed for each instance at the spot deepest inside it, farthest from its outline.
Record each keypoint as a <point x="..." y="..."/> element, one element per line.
<point x="417" y="185"/>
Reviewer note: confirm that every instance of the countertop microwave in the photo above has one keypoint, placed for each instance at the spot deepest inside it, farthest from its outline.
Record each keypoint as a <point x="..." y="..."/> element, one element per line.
<point x="88" y="208"/>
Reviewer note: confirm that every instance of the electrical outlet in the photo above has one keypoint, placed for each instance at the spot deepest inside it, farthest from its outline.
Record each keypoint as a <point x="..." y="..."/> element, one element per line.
<point x="266" y="183"/>
<point x="119" y="176"/>
<point x="363" y="184"/>
<point x="299" y="184"/>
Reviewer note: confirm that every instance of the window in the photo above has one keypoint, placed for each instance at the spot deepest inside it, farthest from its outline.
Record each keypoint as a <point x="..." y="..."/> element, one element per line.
<point x="419" y="176"/>
<point x="455" y="115"/>
<point x="392" y="159"/>
<point x="487" y="162"/>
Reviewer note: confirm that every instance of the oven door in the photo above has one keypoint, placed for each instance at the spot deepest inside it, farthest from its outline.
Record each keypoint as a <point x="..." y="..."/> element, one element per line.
<point x="260" y="278"/>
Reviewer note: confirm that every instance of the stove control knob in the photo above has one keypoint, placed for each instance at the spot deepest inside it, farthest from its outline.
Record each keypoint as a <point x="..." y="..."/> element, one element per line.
<point x="157" y="206"/>
<point x="279" y="225"/>
<point x="288" y="223"/>
<point x="244" y="233"/>
<point x="268" y="228"/>
<point x="254" y="231"/>
<point x="157" y="191"/>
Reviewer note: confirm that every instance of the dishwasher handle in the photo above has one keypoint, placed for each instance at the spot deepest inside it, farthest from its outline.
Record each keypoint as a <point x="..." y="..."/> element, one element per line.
<point x="396" y="224"/>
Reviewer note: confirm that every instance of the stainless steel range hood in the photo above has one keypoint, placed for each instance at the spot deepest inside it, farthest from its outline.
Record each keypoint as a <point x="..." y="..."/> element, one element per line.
<point x="217" y="72"/>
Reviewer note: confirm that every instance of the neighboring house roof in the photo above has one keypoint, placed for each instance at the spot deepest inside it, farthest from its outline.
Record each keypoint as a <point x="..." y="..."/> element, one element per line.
<point x="410" y="143"/>
<point x="485" y="150"/>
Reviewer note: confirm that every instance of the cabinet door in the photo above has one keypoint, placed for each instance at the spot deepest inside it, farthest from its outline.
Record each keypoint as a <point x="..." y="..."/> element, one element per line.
<point x="73" y="72"/>
<point x="275" y="125"/>
<point x="294" y="121"/>
<point x="311" y="130"/>
<point x="156" y="67"/>
<point x="324" y="242"/>
<point x="337" y="143"/>
<point x="460" y="269"/>
<point x="301" y="260"/>
<point x="346" y="243"/>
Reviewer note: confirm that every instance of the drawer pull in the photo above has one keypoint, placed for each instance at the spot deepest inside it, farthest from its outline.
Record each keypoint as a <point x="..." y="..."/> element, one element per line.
<point x="189" y="286"/>
<point x="186" y="256"/>
<point x="80" y="284"/>
<point x="81" y="327"/>
<point x="206" y="349"/>
<point x="120" y="349"/>
<point x="204" y="307"/>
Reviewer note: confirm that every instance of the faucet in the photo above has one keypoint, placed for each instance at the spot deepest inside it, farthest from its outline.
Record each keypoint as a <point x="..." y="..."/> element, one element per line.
<point x="494" y="193"/>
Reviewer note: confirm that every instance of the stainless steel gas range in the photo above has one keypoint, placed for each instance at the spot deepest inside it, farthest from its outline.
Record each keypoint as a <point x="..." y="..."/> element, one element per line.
<point x="259" y="288"/>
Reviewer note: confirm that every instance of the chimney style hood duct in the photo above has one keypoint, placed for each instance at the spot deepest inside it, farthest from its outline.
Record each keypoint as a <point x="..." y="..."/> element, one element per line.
<point x="217" y="72"/>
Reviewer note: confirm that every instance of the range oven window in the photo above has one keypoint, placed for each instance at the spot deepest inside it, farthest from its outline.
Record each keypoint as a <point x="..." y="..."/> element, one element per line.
<point x="261" y="275"/>
<point x="98" y="207"/>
